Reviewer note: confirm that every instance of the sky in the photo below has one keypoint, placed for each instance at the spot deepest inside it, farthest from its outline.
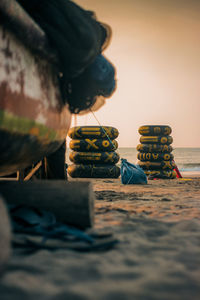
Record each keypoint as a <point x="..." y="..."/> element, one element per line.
<point x="155" y="48"/>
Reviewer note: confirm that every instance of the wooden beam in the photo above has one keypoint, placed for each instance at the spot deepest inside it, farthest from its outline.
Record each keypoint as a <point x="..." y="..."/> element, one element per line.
<point x="20" y="175"/>
<point x="32" y="172"/>
<point x="71" y="202"/>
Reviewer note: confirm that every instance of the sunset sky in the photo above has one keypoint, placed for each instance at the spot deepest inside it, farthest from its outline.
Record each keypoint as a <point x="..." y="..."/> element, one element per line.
<point x="155" y="48"/>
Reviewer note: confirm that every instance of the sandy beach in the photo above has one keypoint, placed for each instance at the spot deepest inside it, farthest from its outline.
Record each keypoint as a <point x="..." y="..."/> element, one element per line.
<point x="157" y="256"/>
<point x="164" y="200"/>
<point x="84" y="87"/>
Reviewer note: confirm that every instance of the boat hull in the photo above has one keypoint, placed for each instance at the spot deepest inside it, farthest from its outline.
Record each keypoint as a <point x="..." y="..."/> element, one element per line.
<point x="33" y="119"/>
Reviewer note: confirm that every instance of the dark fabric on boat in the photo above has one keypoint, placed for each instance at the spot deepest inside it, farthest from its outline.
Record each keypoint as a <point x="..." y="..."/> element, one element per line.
<point x="98" y="79"/>
<point x="74" y="32"/>
<point x="14" y="18"/>
<point x="78" y="39"/>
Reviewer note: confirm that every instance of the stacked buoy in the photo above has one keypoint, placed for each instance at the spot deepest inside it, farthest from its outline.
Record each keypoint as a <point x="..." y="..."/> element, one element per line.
<point x="155" y="156"/>
<point x="93" y="152"/>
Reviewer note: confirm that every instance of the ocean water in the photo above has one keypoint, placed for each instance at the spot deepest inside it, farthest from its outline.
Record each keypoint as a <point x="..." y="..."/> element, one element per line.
<point x="187" y="159"/>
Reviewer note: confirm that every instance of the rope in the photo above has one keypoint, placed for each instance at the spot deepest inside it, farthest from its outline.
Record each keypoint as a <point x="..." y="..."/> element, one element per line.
<point x="109" y="140"/>
<point x="115" y="148"/>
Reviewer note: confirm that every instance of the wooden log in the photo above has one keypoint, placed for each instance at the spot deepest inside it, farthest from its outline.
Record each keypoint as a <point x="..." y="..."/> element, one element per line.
<point x="71" y="202"/>
<point x="5" y="236"/>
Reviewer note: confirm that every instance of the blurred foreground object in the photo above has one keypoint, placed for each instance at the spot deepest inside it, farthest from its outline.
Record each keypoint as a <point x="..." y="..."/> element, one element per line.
<point x="51" y="65"/>
<point x="71" y="202"/>
<point x="34" y="120"/>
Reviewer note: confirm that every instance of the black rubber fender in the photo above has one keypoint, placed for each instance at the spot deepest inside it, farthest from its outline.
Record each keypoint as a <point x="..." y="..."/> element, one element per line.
<point x="99" y="132"/>
<point x="93" y="171"/>
<point x="161" y="174"/>
<point x="154" y="130"/>
<point x="148" y="156"/>
<point x="93" y="145"/>
<point x="162" y="165"/>
<point x="154" y="148"/>
<point x="163" y="140"/>
<point x="94" y="157"/>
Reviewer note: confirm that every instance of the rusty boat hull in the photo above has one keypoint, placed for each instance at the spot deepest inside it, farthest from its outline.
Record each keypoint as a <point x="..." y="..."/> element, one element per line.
<point x="33" y="119"/>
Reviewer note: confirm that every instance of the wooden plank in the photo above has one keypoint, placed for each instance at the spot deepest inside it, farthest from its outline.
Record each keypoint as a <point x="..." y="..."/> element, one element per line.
<point x="32" y="172"/>
<point x="71" y="202"/>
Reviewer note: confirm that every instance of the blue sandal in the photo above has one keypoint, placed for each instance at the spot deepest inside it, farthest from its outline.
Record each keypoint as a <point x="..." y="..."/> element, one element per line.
<point x="37" y="229"/>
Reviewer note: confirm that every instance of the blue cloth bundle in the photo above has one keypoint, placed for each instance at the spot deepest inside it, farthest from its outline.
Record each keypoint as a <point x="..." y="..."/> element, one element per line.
<point x="132" y="174"/>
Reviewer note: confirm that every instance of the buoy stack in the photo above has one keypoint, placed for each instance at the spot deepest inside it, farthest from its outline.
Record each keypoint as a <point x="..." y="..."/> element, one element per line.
<point x="155" y="156"/>
<point x="93" y="152"/>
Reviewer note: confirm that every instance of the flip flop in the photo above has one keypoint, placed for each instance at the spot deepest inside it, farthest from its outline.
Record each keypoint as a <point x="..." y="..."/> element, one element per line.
<point x="30" y="244"/>
<point x="39" y="222"/>
<point x="44" y="232"/>
<point x="25" y="218"/>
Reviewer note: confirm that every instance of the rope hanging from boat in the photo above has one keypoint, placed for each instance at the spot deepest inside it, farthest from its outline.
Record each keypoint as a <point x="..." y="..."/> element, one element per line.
<point x="114" y="146"/>
<point x="130" y="173"/>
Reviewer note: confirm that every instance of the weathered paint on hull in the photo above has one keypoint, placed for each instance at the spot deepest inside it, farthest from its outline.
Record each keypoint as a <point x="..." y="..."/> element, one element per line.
<point x="33" y="120"/>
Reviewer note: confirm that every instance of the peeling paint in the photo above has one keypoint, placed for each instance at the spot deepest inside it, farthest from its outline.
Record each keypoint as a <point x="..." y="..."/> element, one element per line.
<point x="33" y="119"/>
<point x="41" y="119"/>
<point x="39" y="78"/>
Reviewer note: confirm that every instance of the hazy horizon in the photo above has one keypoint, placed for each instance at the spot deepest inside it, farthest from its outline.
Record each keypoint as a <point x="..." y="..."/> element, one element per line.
<point x="156" y="51"/>
<point x="173" y="147"/>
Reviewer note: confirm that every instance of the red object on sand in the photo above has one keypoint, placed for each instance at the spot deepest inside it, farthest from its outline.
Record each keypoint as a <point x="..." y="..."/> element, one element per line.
<point x="178" y="174"/>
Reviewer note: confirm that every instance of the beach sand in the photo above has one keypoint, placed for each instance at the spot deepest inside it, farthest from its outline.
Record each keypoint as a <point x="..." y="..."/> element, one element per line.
<point x="157" y="257"/>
